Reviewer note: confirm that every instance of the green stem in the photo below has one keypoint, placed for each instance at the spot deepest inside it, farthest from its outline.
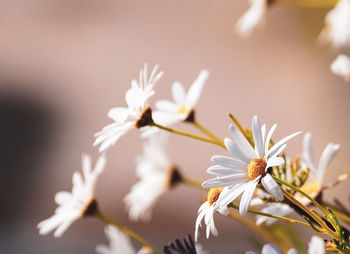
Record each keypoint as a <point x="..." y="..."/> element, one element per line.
<point x="341" y="215"/>
<point x="192" y="182"/>
<point x="188" y="135"/>
<point x="206" y="131"/>
<point x="125" y="230"/>
<point x="273" y="216"/>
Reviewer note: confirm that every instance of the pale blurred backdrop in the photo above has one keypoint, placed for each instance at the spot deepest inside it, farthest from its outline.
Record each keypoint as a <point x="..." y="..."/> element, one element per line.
<point x="64" y="64"/>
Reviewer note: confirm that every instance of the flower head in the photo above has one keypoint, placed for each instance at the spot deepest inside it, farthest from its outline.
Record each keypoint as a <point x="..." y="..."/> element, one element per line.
<point x="248" y="167"/>
<point x="252" y="17"/>
<point x="341" y="67"/>
<point x="182" y="108"/>
<point x="187" y="248"/>
<point x="337" y="25"/>
<point x="207" y="210"/>
<point x="137" y="114"/>
<point x="81" y="202"/>
<point x="157" y="174"/>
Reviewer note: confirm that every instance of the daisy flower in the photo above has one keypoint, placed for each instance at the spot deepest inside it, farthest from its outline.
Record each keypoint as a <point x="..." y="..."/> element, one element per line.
<point x="137" y="114"/>
<point x="157" y="174"/>
<point x="253" y="17"/>
<point x="337" y="25"/>
<point x="207" y="210"/>
<point x="316" y="246"/>
<point x="312" y="186"/>
<point x="248" y="167"/>
<point x="182" y="108"/>
<point x="341" y="67"/>
<point x="81" y="202"/>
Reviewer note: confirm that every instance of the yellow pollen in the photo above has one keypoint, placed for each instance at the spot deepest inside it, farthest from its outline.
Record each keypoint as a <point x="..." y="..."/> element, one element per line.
<point x="134" y="109"/>
<point x="181" y="109"/>
<point x="311" y="188"/>
<point x="213" y="195"/>
<point x="256" y="168"/>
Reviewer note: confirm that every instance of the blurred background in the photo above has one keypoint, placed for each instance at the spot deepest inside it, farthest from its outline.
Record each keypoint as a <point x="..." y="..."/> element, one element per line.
<point x="64" y="64"/>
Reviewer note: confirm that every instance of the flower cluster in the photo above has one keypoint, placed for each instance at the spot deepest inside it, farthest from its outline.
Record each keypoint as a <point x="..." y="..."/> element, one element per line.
<point x="255" y="177"/>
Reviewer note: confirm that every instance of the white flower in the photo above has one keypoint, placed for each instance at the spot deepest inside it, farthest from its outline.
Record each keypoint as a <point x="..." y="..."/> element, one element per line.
<point x="119" y="243"/>
<point x="207" y="210"/>
<point x="136" y="115"/>
<point x="184" y="104"/>
<point x="341" y="67"/>
<point x="312" y="186"/>
<point x="316" y="246"/>
<point x="337" y="25"/>
<point x="317" y="172"/>
<point x="81" y="202"/>
<point x="252" y="18"/>
<point x="157" y="174"/>
<point x="248" y="167"/>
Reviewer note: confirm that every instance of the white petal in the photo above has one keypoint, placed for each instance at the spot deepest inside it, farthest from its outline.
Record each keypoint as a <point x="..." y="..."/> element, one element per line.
<point x="247" y="196"/>
<point x="328" y="154"/>
<point x="218" y="170"/>
<point x="242" y="143"/>
<point x="268" y="137"/>
<point x="229" y="195"/>
<point x="270" y="248"/>
<point x="166" y="106"/>
<point x="341" y="66"/>
<point x="229" y="162"/>
<point x="308" y="154"/>
<point x="276" y="161"/>
<point x="292" y="251"/>
<point x="258" y="137"/>
<point x="236" y="151"/>
<point x="272" y="187"/>
<point x="179" y="93"/>
<point x="281" y="143"/>
<point x="196" y="89"/>
<point x="225" y="181"/>
<point x="316" y="246"/>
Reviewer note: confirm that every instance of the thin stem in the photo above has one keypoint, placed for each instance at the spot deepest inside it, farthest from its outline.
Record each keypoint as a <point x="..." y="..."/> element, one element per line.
<point x="192" y="182"/>
<point x="273" y="216"/>
<point x="125" y="230"/>
<point x="303" y="193"/>
<point x="311" y="214"/>
<point x="206" y="131"/>
<point x="239" y="126"/>
<point x="314" y="3"/>
<point x="343" y="216"/>
<point x="188" y="135"/>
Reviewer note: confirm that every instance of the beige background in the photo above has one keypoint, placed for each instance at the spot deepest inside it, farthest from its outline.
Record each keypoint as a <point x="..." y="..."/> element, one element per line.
<point x="76" y="59"/>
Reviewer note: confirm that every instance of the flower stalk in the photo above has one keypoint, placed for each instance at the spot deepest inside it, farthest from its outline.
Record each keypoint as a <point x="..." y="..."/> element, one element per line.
<point x="206" y="131"/>
<point x="125" y="230"/>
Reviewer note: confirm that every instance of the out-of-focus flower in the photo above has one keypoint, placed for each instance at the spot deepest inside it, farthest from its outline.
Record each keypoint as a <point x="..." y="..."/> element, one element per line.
<point x="181" y="109"/>
<point x="119" y="243"/>
<point x="341" y="67"/>
<point x="248" y="167"/>
<point x="316" y="246"/>
<point x="207" y="210"/>
<point x="138" y="114"/>
<point x="336" y="30"/>
<point x="157" y="174"/>
<point x="252" y="17"/>
<point x="81" y="202"/>
<point x="317" y="172"/>
<point x="187" y="248"/>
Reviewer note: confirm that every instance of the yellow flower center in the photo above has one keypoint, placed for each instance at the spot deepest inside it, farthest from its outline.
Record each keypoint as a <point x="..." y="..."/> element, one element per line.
<point x="256" y="168"/>
<point x="311" y="188"/>
<point x="181" y="110"/>
<point x="213" y="195"/>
